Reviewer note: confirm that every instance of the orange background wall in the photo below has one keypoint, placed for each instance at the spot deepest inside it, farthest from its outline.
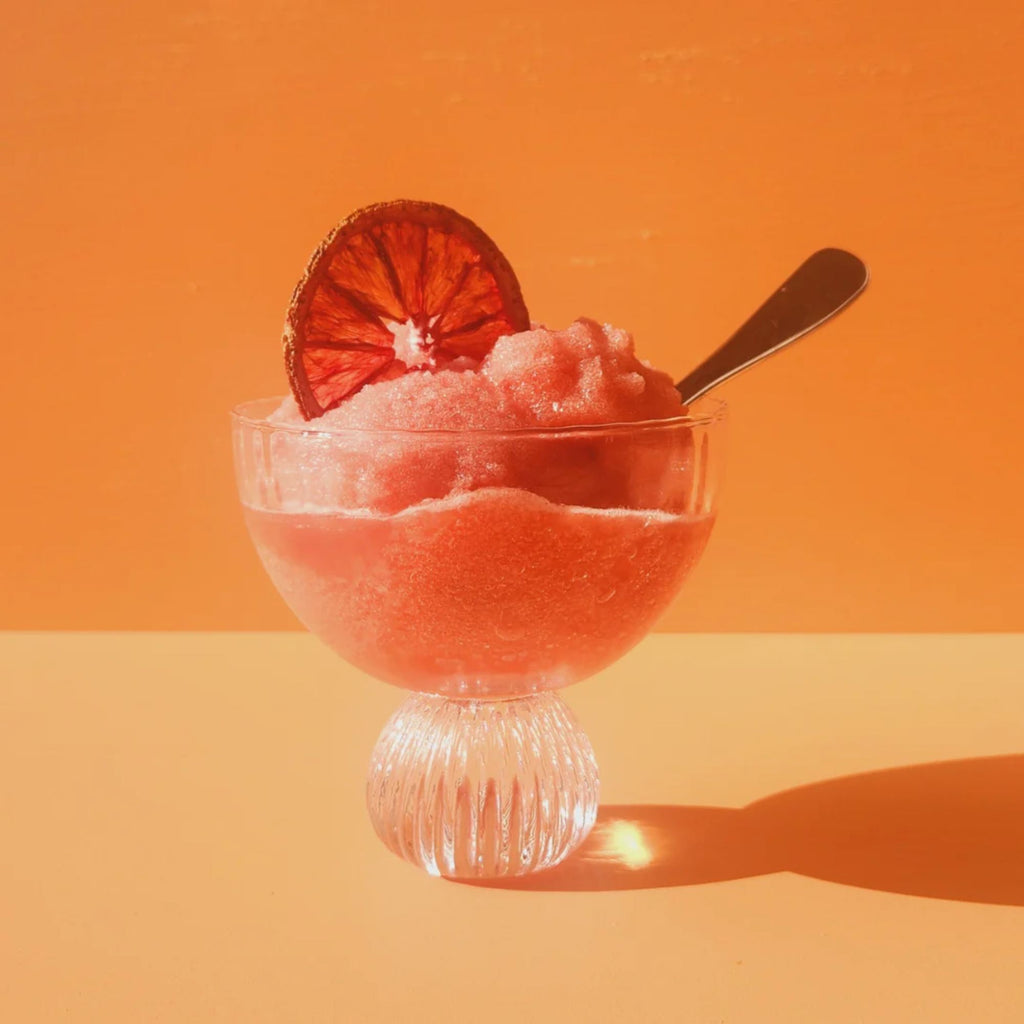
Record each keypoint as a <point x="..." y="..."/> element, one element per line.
<point x="167" y="169"/>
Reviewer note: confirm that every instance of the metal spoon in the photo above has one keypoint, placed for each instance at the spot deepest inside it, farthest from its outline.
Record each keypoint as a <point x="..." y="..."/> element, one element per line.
<point x="818" y="289"/>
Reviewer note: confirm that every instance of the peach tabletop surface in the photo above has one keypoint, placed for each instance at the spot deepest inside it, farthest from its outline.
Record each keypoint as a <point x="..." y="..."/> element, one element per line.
<point x="826" y="829"/>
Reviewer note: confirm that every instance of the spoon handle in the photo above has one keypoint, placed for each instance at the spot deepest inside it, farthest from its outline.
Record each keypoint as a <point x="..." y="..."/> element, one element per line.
<point x="818" y="289"/>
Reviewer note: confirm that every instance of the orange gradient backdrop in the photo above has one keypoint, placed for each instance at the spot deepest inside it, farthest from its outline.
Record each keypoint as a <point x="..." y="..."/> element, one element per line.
<point x="168" y="168"/>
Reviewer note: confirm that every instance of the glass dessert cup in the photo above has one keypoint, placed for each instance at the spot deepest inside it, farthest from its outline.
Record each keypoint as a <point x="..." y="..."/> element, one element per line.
<point x="483" y="570"/>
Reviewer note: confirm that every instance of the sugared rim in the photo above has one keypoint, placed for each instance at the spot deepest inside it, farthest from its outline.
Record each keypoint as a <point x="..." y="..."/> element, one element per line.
<point x="707" y="411"/>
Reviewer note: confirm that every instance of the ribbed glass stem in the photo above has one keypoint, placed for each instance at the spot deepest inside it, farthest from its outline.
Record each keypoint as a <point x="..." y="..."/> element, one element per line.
<point x="483" y="789"/>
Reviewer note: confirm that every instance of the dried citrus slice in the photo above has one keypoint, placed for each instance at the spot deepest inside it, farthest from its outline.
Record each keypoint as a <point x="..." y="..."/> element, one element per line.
<point x="396" y="286"/>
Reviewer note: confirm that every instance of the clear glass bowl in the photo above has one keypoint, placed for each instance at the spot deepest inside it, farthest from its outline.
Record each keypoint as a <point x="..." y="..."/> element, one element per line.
<point x="481" y="569"/>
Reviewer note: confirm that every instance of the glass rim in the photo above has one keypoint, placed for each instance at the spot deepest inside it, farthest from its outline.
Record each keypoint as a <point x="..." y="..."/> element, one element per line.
<point x="708" y="412"/>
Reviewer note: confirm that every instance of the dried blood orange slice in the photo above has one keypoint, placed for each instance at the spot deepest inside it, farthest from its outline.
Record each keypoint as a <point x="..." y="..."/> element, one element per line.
<point x="395" y="286"/>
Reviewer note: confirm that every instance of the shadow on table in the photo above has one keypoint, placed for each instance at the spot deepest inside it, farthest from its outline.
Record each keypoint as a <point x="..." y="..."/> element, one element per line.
<point x="950" y="830"/>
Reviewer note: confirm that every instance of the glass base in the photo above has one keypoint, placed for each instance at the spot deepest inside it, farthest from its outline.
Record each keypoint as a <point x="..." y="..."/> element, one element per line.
<point x="483" y="788"/>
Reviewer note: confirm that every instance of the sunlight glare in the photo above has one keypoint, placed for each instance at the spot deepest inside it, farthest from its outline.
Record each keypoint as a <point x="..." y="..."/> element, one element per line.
<point x="624" y="842"/>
